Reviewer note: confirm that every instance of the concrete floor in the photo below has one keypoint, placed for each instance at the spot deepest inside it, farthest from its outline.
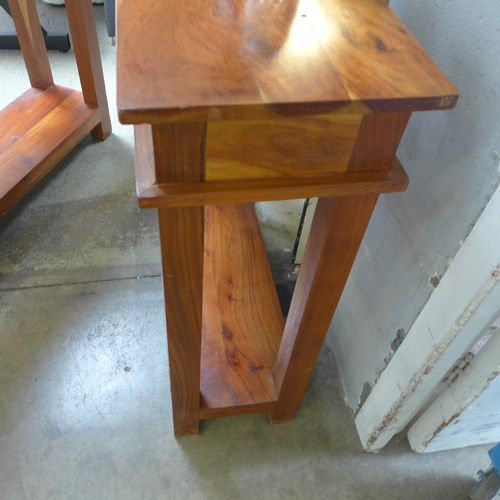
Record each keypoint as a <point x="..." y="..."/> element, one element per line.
<point x="84" y="392"/>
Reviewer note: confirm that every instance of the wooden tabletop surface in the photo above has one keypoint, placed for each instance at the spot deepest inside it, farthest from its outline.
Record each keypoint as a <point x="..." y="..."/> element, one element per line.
<point x="191" y="60"/>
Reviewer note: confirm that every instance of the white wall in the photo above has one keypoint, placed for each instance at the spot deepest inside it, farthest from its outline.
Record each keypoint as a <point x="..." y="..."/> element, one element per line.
<point x="279" y="221"/>
<point x="453" y="160"/>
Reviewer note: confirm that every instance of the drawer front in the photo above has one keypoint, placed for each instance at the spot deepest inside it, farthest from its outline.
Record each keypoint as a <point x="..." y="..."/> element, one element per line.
<point x="283" y="147"/>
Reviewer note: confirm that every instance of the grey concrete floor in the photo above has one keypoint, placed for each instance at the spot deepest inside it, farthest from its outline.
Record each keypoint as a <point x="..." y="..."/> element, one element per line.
<point x="85" y="408"/>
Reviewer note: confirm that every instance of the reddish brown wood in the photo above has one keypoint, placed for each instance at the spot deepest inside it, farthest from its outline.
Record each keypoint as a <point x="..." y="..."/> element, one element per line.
<point x="32" y="44"/>
<point x="228" y="411"/>
<point x="336" y="233"/>
<point x="263" y="62"/>
<point x="377" y="141"/>
<point x="88" y="59"/>
<point x="25" y="112"/>
<point x="46" y="122"/>
<point x="211" y="60"/>
<point x="244" y="112"/>
<point x="163" y="195"/>
<point x="244" y="191"/>
<point x="182" y="239"/>
<point x="179" y="148"/>
<point x="242" y="320"/>
<point x="36" y="131"/>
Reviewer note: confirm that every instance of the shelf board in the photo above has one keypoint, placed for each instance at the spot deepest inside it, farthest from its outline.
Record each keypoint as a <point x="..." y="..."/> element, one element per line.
<point x="242" y="320"/>
<point x="36" y="131"/>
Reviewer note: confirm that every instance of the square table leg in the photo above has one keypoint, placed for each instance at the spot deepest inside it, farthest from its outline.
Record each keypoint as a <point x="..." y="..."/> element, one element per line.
<point x="178" y="151"/>
<point x="336" y="233"/>
<point x="181" y="237"/>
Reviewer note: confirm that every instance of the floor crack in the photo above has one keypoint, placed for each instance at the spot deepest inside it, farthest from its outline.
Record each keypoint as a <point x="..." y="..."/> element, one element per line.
<point x="90" y="282"/>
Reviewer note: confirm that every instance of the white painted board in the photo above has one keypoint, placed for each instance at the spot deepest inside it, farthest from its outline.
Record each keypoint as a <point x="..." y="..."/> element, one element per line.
<point x="464" y="305"/>
<point x="467" y="413"/>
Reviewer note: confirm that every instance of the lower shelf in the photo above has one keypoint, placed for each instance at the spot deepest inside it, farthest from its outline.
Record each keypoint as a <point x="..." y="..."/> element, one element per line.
<point x="242" y="319"/>
<point x="36" y="131"/>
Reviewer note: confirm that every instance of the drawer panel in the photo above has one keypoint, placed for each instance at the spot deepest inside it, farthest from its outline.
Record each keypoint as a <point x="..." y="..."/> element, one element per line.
<point x="282" y="147"/>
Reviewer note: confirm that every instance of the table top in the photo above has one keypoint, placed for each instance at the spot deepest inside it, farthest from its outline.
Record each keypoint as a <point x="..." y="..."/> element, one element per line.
<point x="192" y="60"/>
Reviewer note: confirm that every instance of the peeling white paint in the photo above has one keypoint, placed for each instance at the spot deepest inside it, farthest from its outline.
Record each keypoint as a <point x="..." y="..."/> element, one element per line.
<point x="463" y="415"/>
<point x="464" y="305"/>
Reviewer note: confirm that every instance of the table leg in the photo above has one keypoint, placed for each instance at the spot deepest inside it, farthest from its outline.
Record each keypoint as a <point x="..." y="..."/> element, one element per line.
<point x="336" y="233"/>
<point x="181" y="237"/>
<point x="88" y="59"/>
<point x="29" y="33"/>
<point x="178" y="151"/>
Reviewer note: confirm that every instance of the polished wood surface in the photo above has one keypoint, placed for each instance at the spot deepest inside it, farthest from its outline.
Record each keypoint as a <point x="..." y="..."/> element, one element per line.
<point x="29" y="34"/>
<point x="200" y="60"/>
<point x="181" y="239"/>
<point x="41" y="126"/>
<point x="242" y="319"/>
<point x="145" y="169"/>
<point x="236" y="101"/>
<point x="172" y="194"/>
<point x="336" y="233"/>
<point x="36" y="131"/>
<point x="377" y="141"/>
<point x="179" y="157"/>
<point x="88" y="60"/>
<point x="244" y="191"/>
<point x="283" y="147"/>
<point x="179" y="152"/>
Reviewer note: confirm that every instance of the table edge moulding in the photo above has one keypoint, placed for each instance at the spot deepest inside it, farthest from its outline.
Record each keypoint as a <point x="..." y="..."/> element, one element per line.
<point x="240" y="101"/>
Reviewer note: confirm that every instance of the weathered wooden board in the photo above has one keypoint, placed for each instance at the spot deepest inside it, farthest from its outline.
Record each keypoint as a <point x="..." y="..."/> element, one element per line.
<point x="461" y="309"/>
<point x="467" y="413"/>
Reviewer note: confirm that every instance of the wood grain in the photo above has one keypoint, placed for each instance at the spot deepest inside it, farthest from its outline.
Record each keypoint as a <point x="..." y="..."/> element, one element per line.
<point x="29" y="33"/>
<point x="289" y="99"/>
<point x="179" y="151"/>
<point x="244" y="191"/>
<point x="144" y="158"/>
<point x="242" y="320"/>
<point x="277" y="42"/>
<point x="336" y="233"/>
<point x="233" y="59"/>
<point x="283" y="147"/>
<point x="243" y="112"/>
<point x="377" y="141"/>
<point x="40" y="127"/>
<point x="88" y="58"/>
<point x="24" y="113"/>
<point x="36" y="131"/>
<point x="182" y="240"/>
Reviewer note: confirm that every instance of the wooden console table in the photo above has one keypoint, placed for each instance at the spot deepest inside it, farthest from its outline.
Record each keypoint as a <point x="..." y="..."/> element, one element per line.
<point x="237" y="101"/>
